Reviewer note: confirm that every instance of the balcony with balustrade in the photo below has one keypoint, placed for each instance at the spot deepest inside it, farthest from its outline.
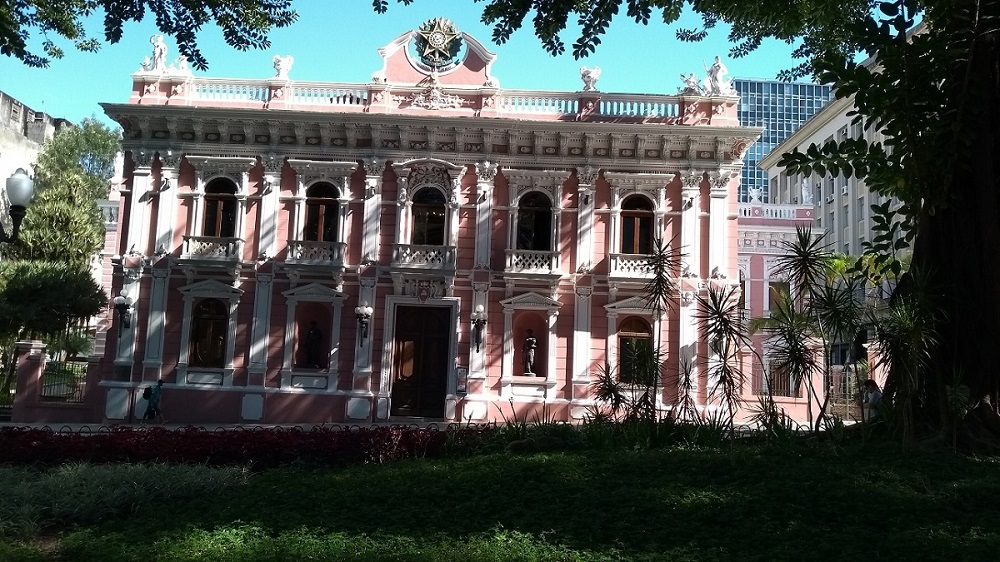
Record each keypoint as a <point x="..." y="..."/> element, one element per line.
<point x="212" y="249"/>
<point x="311" y="253"/>
<point x="532" y="264"/>
<point x="629" y="267"/>
<point x="421" y="258"/>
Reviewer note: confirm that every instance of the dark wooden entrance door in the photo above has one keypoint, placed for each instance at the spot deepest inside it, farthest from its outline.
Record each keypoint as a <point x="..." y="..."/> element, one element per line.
<point x="421" y="361"/>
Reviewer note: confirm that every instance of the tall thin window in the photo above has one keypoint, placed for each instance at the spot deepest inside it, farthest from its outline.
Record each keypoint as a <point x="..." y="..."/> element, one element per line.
<point x="637" y="225"/>
<point x="534" y="222"/>
<point x="636" y="360"/>
<point x="428" y="217"/>
<point x="220" y="209"/>
<point x="209" y="329"/>
<point x="322" y="213"/>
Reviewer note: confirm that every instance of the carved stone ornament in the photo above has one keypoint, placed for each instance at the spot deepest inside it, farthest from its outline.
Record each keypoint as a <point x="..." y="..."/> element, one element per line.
<point x="691" y="85"/>
<point x="687" y="298"/>
<point x="692" y="179"/>
<point x="272" y="163"/>
<point x="374" y="167"/>
<point x="429" y="174"/>
<point x="142" y="158"/>
<point x="438" y="43"/>
<point x="587" y="175"/>
<point x="434" y="98"/>
<point x="486" y="170"/>
<point x="169" y="159"/>
<point x="720" y="179"/>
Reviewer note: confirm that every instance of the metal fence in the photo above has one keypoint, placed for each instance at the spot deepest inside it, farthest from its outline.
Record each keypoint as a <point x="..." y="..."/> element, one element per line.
<point x="64" y="381"/>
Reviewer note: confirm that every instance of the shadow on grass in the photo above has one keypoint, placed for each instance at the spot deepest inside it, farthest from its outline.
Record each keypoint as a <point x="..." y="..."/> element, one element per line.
<point x="661" y="505"/>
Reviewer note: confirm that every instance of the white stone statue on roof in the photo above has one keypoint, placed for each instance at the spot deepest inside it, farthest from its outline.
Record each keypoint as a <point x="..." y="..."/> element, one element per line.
<point x="716" y="83"/>
<point x="282" y="65"/>
<point x="159" y="60"/>
<point x="590" y="76"/>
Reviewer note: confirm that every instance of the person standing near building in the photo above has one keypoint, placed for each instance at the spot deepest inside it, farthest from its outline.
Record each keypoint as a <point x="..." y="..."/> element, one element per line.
<point x="872" y="400"/>
<point x="153" y="404"/>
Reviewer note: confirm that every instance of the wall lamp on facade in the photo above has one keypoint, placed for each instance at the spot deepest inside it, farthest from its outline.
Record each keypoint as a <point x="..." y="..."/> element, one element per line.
<point x="478" y="323"/>
<point x="123" y="305"/>
<point x="364" y="314"/>
<point x="20" y="188"/>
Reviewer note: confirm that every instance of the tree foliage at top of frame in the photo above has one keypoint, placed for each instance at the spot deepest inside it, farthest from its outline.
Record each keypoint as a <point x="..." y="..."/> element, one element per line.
<point x="30" y="30"/>
<point x="814" y="26"/>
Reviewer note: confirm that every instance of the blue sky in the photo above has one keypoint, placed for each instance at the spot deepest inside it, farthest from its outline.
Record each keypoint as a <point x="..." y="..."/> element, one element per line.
<point x="336" y="40"/>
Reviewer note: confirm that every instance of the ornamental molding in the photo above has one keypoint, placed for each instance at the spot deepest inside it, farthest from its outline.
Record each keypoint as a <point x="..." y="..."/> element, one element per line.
<point x="221" y="164"/>
<point x="314" y="292"/>
<point x="631" y="305"/>
<point x="546" y="181"/>
<point x="531" y="301"/>
<point x="310" y="171"/>
<point x="210" y="288"/>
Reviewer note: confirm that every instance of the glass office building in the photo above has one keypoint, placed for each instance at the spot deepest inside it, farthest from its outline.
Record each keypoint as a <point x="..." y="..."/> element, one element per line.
<point x="780" y="108"/>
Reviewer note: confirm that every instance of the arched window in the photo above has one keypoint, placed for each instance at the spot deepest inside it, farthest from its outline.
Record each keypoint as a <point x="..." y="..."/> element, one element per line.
<point x="428" y="212"/>
<point x="636" y="360"/>
<point x="322" y="213"/>
<point x="209" y="330"/>
<point x="534" y="222"/>
<point x="637" y="225"/>
<point x="220" y="209"/>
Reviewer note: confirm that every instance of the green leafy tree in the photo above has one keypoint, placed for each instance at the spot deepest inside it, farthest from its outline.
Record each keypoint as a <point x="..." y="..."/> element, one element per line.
<point x="244" y="23"/>
<point x="63" y="222"/>
<point x="40" y="299"/>
<point x="934" y="96"/>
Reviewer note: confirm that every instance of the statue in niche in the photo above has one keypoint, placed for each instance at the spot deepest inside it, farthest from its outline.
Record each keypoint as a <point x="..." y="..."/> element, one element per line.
<point x="313" y="344"/>
<point x="530" y="345"/>
<point x="807" y="194"/>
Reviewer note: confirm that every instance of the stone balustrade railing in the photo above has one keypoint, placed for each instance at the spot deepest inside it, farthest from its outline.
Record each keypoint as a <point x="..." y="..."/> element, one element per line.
<point x="382" y="98"/>
<point x="630" y="266"/>
<point x="775" y="211"/>
<point x="212" y="248"/>
<point x="316" y="253"/>
<point x="423" y="257"/>
<point x="532" y="261"/>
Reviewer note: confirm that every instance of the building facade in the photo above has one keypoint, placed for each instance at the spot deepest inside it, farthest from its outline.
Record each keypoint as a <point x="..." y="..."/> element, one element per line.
<point x="23" y="131"/>
<point x="779" y="108"/>
<point x="427" y="245"/>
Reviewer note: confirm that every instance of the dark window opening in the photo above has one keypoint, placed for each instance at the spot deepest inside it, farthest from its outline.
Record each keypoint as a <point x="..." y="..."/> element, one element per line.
<point x="220" y="209"/>
<point x="636" y="360"/>
<point x="209" y="329"/>
<point x="322" y="213"/>
<point x="428" y="217"/>
<point x="534" y="223"/>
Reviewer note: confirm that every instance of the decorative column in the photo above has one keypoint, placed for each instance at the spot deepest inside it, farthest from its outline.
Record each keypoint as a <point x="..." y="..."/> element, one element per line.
<point x="372" y="210"/>
<point x="363" y="352"/>
<point x="453" y="206"/>
<point x="477" y="359"/>
<point x="507" y="369"/>
<point x="486" y="174"/>
<point x="581" y="351"/>
<point x="138" y="202"/>
<point x="125" y="356"/>
<point x="156" y="320"/>
<point x="404" y="206"/>
<point x="166" y="214"/>
<point x="260" y="328"/>
<point x="691" y="245"/>
<point x="585" y="222"/>
<point x="267" y="236"/>
<point x="718" y="233"/>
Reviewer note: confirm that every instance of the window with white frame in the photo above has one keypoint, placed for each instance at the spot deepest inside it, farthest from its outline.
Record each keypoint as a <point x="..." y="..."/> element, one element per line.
<point x="428" y="217"/>
<point x="220" y="209"/>
<point x="322" y="213"/>
<point x="534" y="222"/>
<point x="637" y="225"/>
<point x="636" y="360"/>
<point x="209" y="332"/>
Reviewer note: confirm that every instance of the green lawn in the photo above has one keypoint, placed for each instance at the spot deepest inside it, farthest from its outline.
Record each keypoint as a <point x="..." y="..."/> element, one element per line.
<point x="680" y="504"/>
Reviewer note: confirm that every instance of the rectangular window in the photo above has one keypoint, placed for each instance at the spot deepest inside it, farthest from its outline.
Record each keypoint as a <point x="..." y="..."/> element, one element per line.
<point x="778" y="291"/>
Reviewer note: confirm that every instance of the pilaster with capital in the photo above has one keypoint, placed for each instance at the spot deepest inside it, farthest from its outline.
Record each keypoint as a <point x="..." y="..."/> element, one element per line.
<point x="477" y="359"/>
<point x="260" y="328"/>
<point x="156" y="316"/>
<point x="139" y="201"/>
<point x="363" y="350"/>
<point x="581" y="334"/>
<point x="269" y="207"/>
<point x="374" y="169"/>
<point x="690" y="242"/>
<point x="586" y="178"/>
<point x="719" y="223"/>
<point x="166" y="194"/>
<point x="486" y="173"/>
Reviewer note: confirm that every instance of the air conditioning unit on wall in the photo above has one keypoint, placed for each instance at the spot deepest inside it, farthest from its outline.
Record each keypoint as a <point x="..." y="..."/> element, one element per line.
<point x="843" y="190"/>
<point x="829" y="198"/>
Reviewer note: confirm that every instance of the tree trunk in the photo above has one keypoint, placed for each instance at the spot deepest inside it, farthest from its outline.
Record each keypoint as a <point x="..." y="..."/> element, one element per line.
<point x="957" y="244"/>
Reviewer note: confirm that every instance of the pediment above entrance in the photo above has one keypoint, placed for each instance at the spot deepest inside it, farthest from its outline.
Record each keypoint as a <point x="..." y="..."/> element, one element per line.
<point x="313" y="292"/>
<point x="531" y="301"/>
<point x="210" y="288"/>
<point x="631" y="304"/>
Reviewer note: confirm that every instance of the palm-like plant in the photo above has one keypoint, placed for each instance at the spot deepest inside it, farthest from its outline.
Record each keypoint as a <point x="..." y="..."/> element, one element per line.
<point x="719" y="313"/>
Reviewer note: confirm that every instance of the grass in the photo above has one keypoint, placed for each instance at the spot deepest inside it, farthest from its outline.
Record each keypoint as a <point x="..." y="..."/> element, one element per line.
<point x="679" y="504"/>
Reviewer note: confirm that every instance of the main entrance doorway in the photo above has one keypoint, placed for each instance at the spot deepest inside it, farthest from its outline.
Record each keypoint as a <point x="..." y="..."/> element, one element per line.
<point x="420" y="361"/>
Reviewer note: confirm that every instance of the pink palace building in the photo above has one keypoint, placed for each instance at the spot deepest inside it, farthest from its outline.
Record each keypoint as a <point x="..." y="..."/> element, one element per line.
<point x="427" y="245"/>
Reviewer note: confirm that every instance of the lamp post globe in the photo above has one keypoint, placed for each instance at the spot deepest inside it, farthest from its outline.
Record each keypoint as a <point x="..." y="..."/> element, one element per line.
<point x="20" y="188"/>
